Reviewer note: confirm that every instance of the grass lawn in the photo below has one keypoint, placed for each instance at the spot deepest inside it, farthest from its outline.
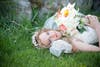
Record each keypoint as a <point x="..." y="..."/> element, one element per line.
<point x="16" y="50"/>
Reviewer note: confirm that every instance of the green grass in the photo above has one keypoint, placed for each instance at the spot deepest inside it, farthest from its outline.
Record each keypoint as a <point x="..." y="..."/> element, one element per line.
<point x="16" y="49"/>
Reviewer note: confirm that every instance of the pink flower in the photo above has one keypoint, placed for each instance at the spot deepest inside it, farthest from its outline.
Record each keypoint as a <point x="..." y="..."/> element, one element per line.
<point x="62" y="27"/>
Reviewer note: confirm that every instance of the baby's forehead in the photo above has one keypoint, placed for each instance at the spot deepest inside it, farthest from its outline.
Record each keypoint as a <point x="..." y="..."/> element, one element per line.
<point x="43" y="35"/>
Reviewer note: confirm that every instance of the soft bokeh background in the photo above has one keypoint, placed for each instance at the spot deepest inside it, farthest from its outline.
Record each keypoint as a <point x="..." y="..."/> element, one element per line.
<point x="18" y="21"/>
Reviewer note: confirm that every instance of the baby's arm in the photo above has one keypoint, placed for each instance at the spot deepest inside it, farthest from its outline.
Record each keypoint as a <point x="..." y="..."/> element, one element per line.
<point x="93" y="23"/>
<point x="82" y="46"/>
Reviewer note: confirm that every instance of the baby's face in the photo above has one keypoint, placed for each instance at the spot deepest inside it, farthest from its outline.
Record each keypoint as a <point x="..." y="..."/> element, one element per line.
<point x="47" y="37"/>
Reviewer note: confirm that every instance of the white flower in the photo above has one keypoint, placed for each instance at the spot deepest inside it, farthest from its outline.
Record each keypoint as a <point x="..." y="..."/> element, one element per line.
<point x="70" y="10"/>
<point x="72" y="22"/>
<point x="67" y="17"/>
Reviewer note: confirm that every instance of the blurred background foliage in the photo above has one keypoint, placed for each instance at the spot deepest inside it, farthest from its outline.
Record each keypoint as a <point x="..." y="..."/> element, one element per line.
<point x="7" y="12"/>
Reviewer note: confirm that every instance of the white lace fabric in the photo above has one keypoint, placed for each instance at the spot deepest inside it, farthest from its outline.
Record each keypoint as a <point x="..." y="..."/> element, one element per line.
<point x="59" y="46"/>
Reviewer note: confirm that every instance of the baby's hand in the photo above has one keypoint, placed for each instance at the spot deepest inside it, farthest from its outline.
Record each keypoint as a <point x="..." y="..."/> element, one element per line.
<point x="93" y="21"/>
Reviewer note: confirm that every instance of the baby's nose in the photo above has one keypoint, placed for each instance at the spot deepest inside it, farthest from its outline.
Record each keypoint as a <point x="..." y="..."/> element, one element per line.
<point x="53" y="35"/>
